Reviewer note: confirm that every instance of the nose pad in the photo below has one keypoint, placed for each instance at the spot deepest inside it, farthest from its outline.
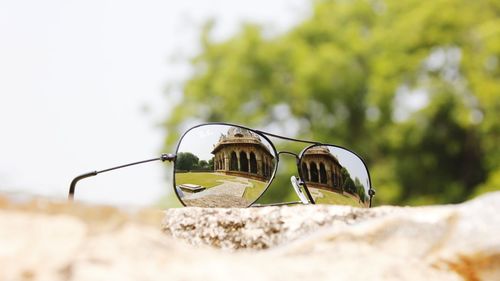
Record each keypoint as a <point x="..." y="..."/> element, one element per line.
<point x="296" y="186"/>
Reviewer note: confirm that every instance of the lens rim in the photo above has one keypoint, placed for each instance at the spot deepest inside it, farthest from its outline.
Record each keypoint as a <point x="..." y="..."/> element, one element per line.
<point x="302" y="178"/>
<point x="261" y="134"/>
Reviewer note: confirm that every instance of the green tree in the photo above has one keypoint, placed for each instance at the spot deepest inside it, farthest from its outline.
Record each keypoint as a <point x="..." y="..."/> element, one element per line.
<point x="348" y="184"/>
<point x="186" y="161"/>
<point x="203" y="165"/>
<point x="412" y="86"/>
<point x="360" y="189"/>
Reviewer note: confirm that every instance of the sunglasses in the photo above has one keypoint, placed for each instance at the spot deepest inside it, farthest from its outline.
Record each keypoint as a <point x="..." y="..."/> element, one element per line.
<point x="225" y="165"/>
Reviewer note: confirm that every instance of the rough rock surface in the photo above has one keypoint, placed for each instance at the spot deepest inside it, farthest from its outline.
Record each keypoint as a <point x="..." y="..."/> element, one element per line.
<point x="42" y="240"/>
<point x="260" y="228"/>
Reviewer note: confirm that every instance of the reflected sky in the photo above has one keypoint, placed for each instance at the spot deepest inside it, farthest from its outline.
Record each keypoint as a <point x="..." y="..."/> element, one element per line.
<point x="353" y="164"/>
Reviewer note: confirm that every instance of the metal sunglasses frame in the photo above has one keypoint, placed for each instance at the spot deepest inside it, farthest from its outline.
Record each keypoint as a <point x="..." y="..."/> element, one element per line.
<point x="171" y="157"/>
<point x="298" y="157"/>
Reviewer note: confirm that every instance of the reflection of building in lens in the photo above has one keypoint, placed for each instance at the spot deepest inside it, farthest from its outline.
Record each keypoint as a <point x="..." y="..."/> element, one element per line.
<point x="242" y="152"/>
<point x="320" y="169"/>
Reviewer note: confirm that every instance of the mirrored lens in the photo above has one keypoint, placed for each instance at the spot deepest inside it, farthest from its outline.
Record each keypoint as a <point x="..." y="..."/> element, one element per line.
<point x="222" y="166"/>
<point x="335" y="175"/>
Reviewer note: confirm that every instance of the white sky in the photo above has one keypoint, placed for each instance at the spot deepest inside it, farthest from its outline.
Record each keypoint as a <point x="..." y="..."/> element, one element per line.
<point x="77" y="76"/>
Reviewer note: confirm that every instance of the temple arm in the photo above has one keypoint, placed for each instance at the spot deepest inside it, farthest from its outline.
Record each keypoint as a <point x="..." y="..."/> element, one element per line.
<point x="164" y="157"/>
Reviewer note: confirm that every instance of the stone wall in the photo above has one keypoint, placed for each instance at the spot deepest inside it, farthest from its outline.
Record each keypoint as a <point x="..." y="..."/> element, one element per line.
<point x="42" y="240"/>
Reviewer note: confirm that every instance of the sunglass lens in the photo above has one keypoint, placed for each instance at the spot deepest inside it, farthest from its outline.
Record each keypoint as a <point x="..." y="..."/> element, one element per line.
<point x="222" y="166"/>
<point x="334" y="175"/>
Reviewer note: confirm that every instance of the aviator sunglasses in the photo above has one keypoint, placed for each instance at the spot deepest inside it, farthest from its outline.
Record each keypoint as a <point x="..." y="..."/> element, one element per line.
<point x="226" y="165"/>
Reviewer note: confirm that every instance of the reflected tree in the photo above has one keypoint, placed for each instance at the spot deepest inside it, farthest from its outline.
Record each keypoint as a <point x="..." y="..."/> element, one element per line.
<point x="186" y="161"/>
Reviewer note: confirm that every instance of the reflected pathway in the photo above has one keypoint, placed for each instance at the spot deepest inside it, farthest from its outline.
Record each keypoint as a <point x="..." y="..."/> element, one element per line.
<point x="234" y="188"/>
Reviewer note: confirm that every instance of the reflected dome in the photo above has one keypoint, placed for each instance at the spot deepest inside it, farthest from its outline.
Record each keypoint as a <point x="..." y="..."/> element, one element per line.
<point x="242" y="152"/>
<point x="236" y="132"/>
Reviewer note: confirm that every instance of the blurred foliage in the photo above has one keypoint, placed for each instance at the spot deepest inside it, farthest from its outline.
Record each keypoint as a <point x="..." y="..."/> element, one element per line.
<point x="412" y="86"/>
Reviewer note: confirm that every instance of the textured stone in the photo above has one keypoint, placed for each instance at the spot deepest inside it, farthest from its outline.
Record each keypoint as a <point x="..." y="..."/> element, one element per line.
<point x="259" y="228"/>
<point x="41" y="240"/>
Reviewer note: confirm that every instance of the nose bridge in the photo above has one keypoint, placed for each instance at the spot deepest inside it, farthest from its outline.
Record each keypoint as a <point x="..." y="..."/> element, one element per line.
<point x="290" y="153"/>
<point x="297" y="181"/>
